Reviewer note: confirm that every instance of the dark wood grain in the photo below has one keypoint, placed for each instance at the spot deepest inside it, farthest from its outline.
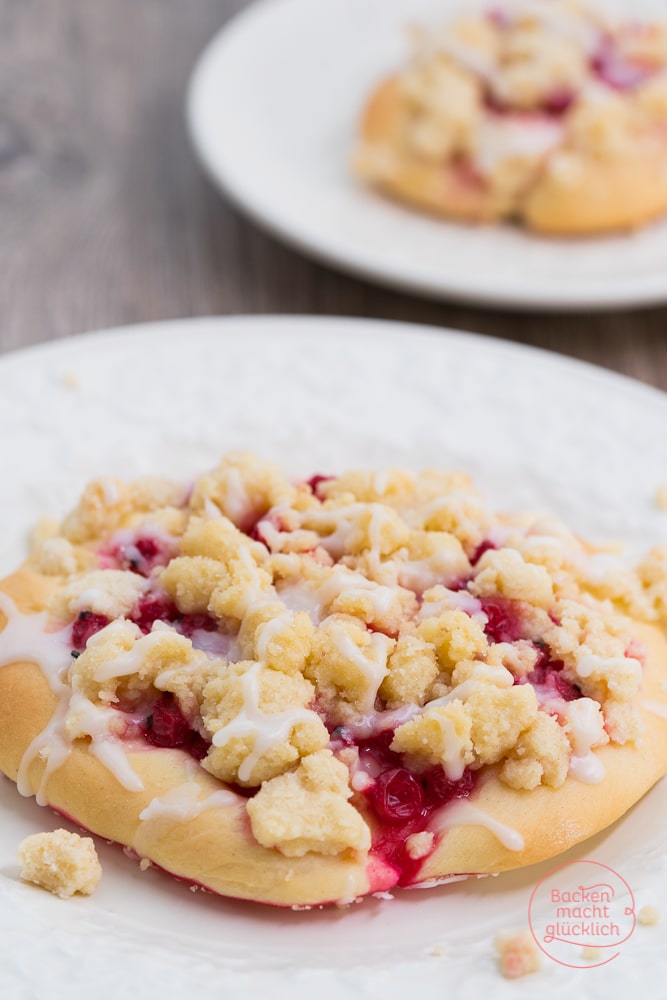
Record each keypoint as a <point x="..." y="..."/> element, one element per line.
<point x="105" y="218"/>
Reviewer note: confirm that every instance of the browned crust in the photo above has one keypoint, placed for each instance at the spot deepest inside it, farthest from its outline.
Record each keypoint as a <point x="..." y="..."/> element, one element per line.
<point x="606" y="196"/>
<point x="216" y="849"/>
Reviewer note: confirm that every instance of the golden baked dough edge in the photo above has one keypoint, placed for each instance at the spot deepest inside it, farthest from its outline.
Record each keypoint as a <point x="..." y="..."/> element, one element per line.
<point x="216" y="849"/>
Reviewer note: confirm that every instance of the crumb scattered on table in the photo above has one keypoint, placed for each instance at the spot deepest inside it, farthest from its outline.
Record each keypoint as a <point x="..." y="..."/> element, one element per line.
<point x="62" y="862"/>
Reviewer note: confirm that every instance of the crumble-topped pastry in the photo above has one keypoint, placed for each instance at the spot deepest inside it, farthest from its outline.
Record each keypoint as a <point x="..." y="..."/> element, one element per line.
<point x="303" y="692"/>
<point x="545" y="111"/>
<point x="62" y="862"/>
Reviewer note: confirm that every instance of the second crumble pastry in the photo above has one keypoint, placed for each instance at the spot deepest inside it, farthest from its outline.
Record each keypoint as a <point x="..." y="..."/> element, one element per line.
<point x="547" y="112"/>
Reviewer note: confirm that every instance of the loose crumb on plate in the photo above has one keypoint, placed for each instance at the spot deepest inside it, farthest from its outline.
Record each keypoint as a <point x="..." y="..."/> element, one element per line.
<point x="517" y="954"/>
<point x="591" y="953"/>
<point x="439" y="951"/>
<point x="661" y="497"/>
<point x="62" y="862"/>
<point x="648" y="916"/>
<point x="70" y="380"/>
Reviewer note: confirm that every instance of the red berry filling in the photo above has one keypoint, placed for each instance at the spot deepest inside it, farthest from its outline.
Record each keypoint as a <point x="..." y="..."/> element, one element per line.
<point x="315" y="481"/>
<point x="139" y="555"/>
<point x="397" y="796"/>
<point x="401" y="801"/>
<point x="636" y="651"/>
<point x="553" y="106"/>
<point x="485" y="546"/>
<point x="152" y="608"/>
<point x="498" y="17"/>
<point x="256" y="533"/>
<point x="503" y="619"/>
<point x="166" y="726"/>
<point x="559" y="102"/>
<point x="616" y="71"/>
<point x="189" y="624"/>
<point x="86" y="625"/>
<point x="548" y="673"/>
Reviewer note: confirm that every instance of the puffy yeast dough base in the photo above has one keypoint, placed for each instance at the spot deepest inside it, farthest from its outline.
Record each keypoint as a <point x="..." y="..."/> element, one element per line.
<point x="216" y="848"/>
<point x="553" y="819"/>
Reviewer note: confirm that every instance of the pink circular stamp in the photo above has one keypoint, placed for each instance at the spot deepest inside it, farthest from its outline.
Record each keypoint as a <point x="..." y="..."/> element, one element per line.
<point x="581" y="913"/>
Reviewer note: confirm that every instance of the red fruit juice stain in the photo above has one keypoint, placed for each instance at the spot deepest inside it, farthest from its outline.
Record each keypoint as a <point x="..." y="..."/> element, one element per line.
<point x="85" y="626"/>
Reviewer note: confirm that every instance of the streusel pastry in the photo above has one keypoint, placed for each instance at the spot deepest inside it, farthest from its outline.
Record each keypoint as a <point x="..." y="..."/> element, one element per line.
<point x="543" y="111"/>
<point x="304" y="692"/>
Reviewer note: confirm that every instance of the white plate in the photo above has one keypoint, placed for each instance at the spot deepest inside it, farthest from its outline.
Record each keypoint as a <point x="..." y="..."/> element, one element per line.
<point x="318" y="395"/>
<point x="273" y="109"/>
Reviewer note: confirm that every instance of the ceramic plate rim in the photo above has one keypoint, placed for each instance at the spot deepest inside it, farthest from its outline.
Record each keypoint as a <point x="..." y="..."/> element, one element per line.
<point x="597" y="294"/>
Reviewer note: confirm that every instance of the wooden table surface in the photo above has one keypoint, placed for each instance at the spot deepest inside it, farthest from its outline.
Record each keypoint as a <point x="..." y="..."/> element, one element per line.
<point x="106" y="218"/>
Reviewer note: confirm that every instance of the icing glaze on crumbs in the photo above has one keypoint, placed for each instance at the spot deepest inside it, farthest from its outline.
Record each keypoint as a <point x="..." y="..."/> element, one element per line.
<point x="365" y="647"/>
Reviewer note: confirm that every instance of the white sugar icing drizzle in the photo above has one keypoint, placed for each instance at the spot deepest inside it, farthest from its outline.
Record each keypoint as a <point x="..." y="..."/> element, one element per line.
<point x="372" y="723"/>
<point x="420" y="574"/>
<point x="265" y="728"/>
<point x="591" y="664"/>
<point x="25" y="638"/>
<point x="276" y="540"/>
<point x="52" y="746"/>
<point x="300" y="596"/>
<point x="515" y="138"/>
<point x="381" y="481"/>
<point x="586" y="726"/>
<point x="237" y="502"/>
<point x="458" y="600"/>
<point x="211" y="510"/>
<point x="656" y="707"/>
<point x="467" y="56"/>
<point x="499" y="676"/>
<point x="110" y="491"/>
<point x="269" y="631"/>
<point x="184" y="803"/>
<point x="126" y="539"/>
<point x="86" y="719"/>
<point x="316" y="599"/>
<point x="453" y="757"/>
<point x="344" y="522"/>
<point x="373" y="666"/>
<point x="463" y="813"/>
<point x="216" y="644"/>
